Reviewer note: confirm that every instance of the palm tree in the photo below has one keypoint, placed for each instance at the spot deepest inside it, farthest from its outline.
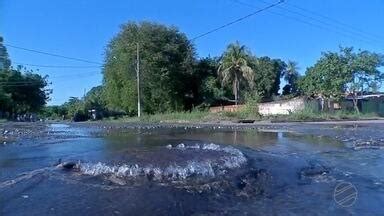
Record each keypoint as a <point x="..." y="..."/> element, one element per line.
<point x="291" y="75"/>
<point x="234" y="68"/>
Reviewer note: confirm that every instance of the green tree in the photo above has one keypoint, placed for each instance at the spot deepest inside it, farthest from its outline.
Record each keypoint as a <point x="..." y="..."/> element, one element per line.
<point x="234" y="68"/>
<point x="23" y="91"/>
<point x="166" y="66"/>
<point x="337" y="74"/>
<point x="204" y="69"/>
<point x="327" y="78"/>
<point x="94" y="99"/>
<point x="206" y="86"/>
<point x="291" y="76"/>
<point x="267" y="76"/>
<point x="54" y="112"/>
<point x="75" y="109"/>
<point x="78" y="109"/>
<point x="5" y="62"/>
<point x="364" y="73"/>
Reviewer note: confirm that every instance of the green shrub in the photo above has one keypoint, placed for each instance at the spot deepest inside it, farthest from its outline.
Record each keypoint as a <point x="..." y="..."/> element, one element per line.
<point x="309" y="114"/>
<point x="250" y="109"/>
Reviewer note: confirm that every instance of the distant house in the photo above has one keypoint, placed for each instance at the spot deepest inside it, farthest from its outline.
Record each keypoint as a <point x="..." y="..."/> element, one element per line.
<point x="367" y="103"/>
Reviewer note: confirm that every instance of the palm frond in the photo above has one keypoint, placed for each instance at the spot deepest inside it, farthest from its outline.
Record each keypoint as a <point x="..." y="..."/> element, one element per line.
<point x="227" y="76"/>
<point x="248" y="74"/>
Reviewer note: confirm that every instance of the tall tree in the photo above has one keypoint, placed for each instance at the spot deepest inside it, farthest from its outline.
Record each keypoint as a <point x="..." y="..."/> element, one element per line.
<point x="24" y="91"/>
<point x="94" y="99"/>
<point x="5" y="62"/>
<point x="291" y="76"/>
<point x="74" y="106"/>
<point x="166" y="66"/>
<point x="234" y="68"/>
<point x="267" y="75"/>
<point x="338" y="74"/>
<point x="326" y="79"/>
<point x="204" y="81"/>
<point x="364" y="73"/>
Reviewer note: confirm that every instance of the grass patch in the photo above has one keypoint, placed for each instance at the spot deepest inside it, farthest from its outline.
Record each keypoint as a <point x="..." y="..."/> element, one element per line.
<point x="308" y="114"/>
<point x="239" y="115"/>
<point x="181" y="117"/>
<point x="172" y="117"/>
<point x="246" y="113"/>
<point x="192" y="117"/>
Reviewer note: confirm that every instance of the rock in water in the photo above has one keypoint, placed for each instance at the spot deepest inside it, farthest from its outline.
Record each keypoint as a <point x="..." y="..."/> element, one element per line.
<point x="68" y="165"/>
<point x="313" y="171"/>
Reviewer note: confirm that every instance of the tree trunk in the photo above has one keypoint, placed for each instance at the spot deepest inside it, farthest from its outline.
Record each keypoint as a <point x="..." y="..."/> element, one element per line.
<point x="355" y="102"/>
<point x="322" y="104"/>
<point x="236" y="89"/>
<point x="330" y="105"/>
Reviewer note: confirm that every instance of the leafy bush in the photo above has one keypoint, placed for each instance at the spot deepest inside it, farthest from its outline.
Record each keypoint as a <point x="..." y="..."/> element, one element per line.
<point x="251" y="109"/>
<point x="80" y="116"/>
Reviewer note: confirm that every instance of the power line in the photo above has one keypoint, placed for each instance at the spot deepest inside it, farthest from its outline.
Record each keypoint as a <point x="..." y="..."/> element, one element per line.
<point x="326" y="23"/>
<point x="65" y="76"/>
<point x="32" y="82"/>
<point x="17" y="84"/>
<point x="77" y="75"/>
<point x="53" y="54"/>
<point x="56" y="66"/>
<point x="26" y="83"/>
<point x="334" y="20"/>
<point x="237" y="20"/>
<point x="93" y="62"/>
<point x="325" y="26"/>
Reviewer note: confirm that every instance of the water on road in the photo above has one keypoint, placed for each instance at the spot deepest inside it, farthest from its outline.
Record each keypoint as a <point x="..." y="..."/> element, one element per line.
<point x="184" y="171"/>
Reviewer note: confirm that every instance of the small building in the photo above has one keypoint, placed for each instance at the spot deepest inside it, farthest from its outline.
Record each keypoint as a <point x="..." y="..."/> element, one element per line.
<point x="367" y="103"/>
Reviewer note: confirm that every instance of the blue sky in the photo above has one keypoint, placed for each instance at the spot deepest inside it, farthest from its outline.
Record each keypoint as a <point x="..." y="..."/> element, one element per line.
<point x="299" y="30"/>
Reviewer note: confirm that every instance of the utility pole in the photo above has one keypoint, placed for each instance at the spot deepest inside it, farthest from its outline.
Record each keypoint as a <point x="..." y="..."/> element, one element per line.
<point x="138" y="80"/>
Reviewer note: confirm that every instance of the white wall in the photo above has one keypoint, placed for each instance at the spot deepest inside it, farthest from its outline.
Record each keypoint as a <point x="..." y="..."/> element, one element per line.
<point x="281" y="107"/>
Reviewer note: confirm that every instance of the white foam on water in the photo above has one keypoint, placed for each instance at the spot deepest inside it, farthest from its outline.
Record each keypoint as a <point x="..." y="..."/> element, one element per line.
<point x="172" y="172"/>
<point x="233" y="158"/>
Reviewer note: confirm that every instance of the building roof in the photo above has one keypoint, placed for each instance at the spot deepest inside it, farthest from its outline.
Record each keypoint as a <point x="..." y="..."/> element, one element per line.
<point x="365" y="96"/>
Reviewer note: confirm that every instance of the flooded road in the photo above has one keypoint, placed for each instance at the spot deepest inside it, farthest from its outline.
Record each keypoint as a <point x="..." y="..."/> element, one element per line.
<point x="298" y="170"/>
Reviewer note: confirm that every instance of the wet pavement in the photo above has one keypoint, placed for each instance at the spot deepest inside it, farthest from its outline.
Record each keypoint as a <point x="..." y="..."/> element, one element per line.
<point x="118" y="169"/>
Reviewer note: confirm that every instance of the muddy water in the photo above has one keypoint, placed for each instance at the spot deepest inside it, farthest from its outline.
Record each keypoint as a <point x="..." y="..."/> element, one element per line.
<point x="180" y="171"/>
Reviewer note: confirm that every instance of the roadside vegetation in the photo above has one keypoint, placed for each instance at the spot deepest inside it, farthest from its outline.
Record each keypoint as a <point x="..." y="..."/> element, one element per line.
<point x="310" y="115"/>
<point x="177" y="85"/>
<point x="188" y="117"/>
<point x="22" y="91"/>
<point x="244" y="115"/>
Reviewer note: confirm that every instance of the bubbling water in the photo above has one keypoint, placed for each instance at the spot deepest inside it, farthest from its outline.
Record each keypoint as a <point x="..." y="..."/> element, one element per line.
<point x="202" y="166"/>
